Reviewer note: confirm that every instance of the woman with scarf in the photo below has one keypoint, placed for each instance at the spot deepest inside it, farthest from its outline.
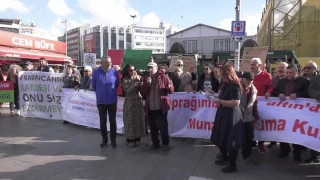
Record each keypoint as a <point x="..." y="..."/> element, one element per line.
<point x="13" y="77"/>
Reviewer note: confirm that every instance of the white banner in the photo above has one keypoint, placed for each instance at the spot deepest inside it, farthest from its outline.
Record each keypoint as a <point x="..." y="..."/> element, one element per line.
<point x="292" y="121"/>
<point x="89" y="59"/>
<point x="79" y="107"/>
<point x="40" y="95"/>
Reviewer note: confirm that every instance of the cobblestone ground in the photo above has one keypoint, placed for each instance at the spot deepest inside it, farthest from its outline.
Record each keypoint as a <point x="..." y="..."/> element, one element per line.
<point x="36" y="149"/>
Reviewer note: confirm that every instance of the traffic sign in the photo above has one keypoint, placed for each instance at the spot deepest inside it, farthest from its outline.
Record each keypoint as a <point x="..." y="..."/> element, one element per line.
<point x="237" y="38"/>
<point x="238" y="28"/>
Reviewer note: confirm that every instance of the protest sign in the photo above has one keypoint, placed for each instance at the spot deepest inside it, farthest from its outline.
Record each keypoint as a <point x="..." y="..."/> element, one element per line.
<point x="40" y="95"/>
<point x="253" y="52"/>
<point x="189" y="63"/>
<point x="6" y="91"/>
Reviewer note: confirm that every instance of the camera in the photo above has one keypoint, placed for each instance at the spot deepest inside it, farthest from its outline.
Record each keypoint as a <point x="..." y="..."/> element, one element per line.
<point x="237" y="8"/>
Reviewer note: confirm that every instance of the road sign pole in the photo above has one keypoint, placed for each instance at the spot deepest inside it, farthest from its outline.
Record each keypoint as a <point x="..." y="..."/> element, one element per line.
<point x="237" y="43"/>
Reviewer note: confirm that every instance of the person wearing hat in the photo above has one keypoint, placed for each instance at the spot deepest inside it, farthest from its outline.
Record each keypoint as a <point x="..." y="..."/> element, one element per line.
<point x="70" y="80"/>
<point x="44" y="66"/>
<point x="75" y="70"/>
<point x="155" y="89"/>
<point x="28" y="66"/>
<point x="249" y="109"/>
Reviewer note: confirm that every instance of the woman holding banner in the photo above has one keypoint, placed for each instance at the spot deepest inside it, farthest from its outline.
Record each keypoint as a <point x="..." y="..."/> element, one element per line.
<point x="133" y="115"/>
<point x="13" y="77"/>
<point x="227" y="132"/>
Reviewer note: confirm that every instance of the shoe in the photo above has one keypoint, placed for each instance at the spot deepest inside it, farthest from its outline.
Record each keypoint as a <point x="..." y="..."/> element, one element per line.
<point x="249" y="160"/>
<point x="154" y="146"/>
<point x="271" y="145"/>
<point x="138" y="144"/>
<point x="113" y="143"/>
<point x="222" y="160"/>
<point x="297" y="158"/>
<point x="261" y="150"/>
<point x="283" y="155"/>
<point x="12" y="113"/>
<point x="131" y="145"/>
<point x="165" y="148"/>
<point x="18" y="113"/>
<point x="104" y="143"/>
<point x="65" y="122"/>
<point x="229" y="169"/>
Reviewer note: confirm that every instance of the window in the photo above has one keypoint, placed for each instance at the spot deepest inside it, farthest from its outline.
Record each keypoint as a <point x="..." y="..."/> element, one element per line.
<point x="149" y="38"/>
<point x="138" y="43"/>
<point x="190" y="46"/>
<point x="222" y="45"/>
<point x="121" y="37"/>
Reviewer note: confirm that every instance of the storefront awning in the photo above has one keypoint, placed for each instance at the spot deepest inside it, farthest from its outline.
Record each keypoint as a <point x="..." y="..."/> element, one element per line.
<point x="20" y="53"/>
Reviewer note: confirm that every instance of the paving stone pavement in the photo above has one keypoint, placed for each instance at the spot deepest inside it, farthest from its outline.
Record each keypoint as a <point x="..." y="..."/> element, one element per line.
<point x="37" y="149"/>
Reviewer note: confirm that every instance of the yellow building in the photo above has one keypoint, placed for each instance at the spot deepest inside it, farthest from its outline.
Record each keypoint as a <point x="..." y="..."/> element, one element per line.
<point x="292" y="25"/>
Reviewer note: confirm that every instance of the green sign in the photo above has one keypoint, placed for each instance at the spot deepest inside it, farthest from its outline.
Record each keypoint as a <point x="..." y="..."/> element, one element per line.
<point x="6" y="96"/>
<point x="139" y="58"/>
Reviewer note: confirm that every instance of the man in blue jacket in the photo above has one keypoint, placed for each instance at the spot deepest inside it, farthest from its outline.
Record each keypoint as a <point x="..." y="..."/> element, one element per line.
<point x="105" y="81"/>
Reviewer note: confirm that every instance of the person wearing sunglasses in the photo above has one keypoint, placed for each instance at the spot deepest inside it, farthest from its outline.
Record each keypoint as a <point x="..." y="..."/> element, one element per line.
<point x="86" y="79"/>
<point x="310" y="70"/>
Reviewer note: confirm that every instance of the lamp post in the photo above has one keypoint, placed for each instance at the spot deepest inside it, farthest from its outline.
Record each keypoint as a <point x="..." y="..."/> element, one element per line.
<point x="237" y="49"/>
<point x="66" y="32"/>
<point x="132" y="37"/>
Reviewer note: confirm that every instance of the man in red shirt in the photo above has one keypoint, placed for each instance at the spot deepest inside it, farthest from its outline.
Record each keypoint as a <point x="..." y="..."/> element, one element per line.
<point x="263" y="82"/>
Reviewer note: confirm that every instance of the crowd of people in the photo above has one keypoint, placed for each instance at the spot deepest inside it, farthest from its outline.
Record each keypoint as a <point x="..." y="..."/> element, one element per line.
<point x="147" y="100"/>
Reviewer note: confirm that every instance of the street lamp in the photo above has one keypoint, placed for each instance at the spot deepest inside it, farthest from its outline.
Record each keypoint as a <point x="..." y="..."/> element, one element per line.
<point x="133" y="16"/>
<point x="66" y="32"/>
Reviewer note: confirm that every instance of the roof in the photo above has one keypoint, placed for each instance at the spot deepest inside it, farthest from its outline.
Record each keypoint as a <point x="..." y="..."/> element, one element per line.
<point x="196" y="26"/>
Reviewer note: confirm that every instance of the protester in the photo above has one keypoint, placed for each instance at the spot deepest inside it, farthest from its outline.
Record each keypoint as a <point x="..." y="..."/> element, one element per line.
<point x="217" y="74"/>
<point x="187" y="85"/>
<point x="310" y="70"/>
<point x="155" y="90"/>
<point x="133" y="115"/>
<point x="263" y="82"/>
<point x="227" y="132"/>
<point x="293" y="86"/>
<point x="56" y="69"/>
<point x="105" y="81"/>
<point x="44" y="67"/>
<point x="249" y="109"/>
<point x="207" y="81"/>
<point x="1" y="75"/>
<point x="28" y="66"/>
<point x="314" y="93"/>
<point x="86" y="79"/>
<point x="75" y="70"/>
<point x="281" y="73"/>
<point x="163" y="69"/>
<point x="70" y="81"/>
<point x="176" y="77"/>
<point x="13" y="77"/>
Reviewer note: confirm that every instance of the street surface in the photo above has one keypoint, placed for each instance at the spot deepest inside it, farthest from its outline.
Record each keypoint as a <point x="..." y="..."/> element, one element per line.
<point x="36" y="149"/>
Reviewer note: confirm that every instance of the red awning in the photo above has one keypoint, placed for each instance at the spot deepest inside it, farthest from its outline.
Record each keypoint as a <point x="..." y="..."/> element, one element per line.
<point x="6" y="52"/>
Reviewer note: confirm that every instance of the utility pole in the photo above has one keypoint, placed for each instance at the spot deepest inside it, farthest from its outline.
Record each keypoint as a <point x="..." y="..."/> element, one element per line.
<point x="66" y="32"/>
<point x="237" y="44"/>
<point x="132" y="31"/>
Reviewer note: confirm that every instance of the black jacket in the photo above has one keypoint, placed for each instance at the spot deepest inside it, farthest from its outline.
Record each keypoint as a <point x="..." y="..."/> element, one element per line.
<point x="300" y="87"/>
<point x="45" y="69"/>
<point x="214" y="83"/>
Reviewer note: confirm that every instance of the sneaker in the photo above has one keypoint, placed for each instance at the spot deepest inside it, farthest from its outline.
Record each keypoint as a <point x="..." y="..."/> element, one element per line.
<point x="18" y="113"/>
<point x="249" y="161"/>
<point x="131" y="145"/>
<point x="229" y="169"/>
<point x="312" y="160"/>
<point x="154" y="146"/>
<point x="12" y="113"/>
<point x="261" y="150"/>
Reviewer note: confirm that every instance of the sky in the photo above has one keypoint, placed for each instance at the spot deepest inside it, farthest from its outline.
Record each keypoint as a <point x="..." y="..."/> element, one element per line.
<point x="48" y="14"/>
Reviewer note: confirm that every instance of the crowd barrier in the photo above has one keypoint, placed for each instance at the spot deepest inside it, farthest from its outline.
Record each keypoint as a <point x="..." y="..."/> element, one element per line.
<point x="191" y="114"/>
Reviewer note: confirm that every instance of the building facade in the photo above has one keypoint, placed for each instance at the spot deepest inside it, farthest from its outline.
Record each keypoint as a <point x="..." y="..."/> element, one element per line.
<point x="10" y="25"/>
<point x="291" y="26"/>
<point x="144" y="38"/>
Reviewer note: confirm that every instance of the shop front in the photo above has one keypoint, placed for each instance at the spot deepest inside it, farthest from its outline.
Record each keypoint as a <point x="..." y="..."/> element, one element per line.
<point x="18" y="48"/>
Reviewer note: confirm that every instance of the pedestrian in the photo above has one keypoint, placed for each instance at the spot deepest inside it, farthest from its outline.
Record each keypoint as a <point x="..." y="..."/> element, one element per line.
<point x="228" y="132"/>
<point x="105" y="81"/>
<point x="133" y="115"/>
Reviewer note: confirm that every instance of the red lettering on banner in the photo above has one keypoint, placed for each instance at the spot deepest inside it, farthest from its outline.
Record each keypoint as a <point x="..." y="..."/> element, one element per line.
<point x="192" y="104"/>
<point x="270" y="125"/>
<point x="200" y="125"/>
<point x="285" y="104"/>
<point x="312" y="131"/>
